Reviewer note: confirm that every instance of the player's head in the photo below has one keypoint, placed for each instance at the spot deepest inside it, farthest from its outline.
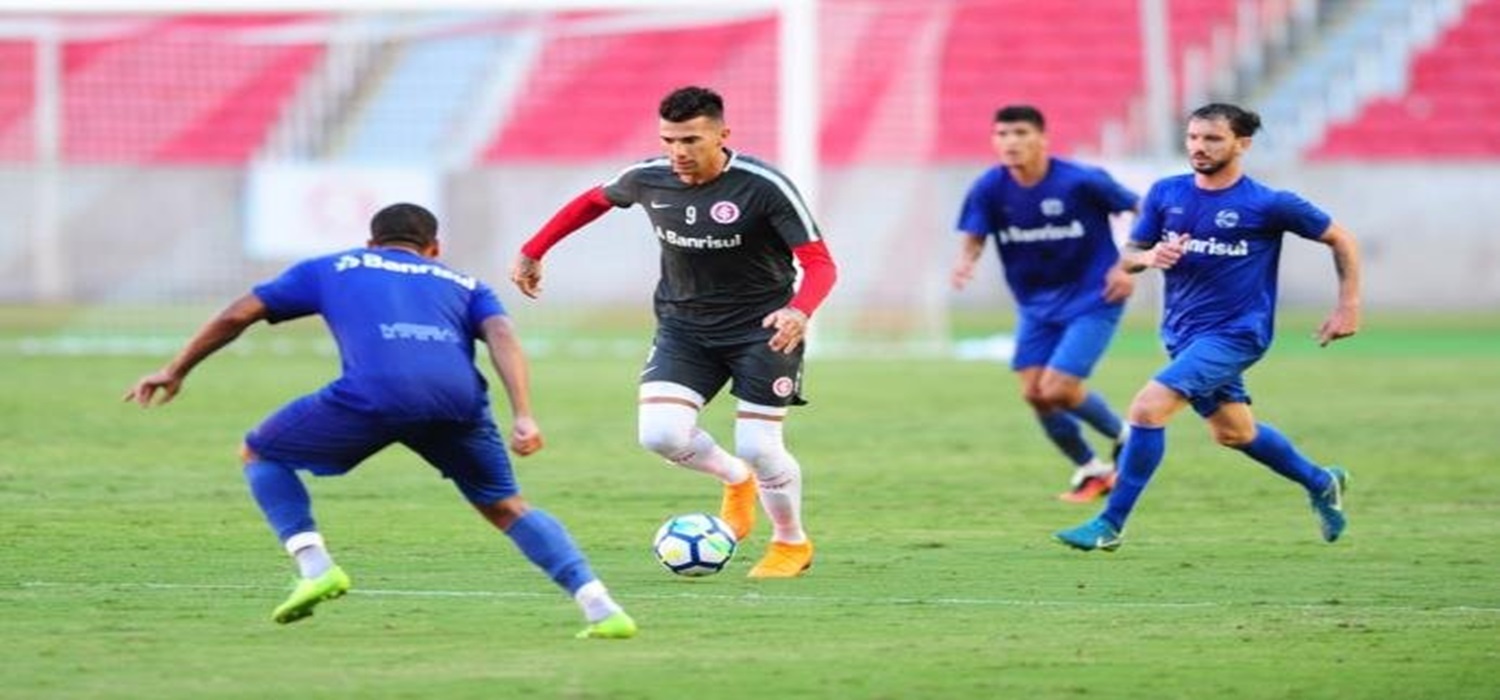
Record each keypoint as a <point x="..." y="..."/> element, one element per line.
<point x="692" y="132"/>
<point x="407" y="226"/>
<point x="1019" y="136"/>
<point x="1217" y="135"/>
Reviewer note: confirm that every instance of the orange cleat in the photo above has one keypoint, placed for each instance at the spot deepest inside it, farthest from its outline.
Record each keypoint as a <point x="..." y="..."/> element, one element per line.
<point x="784" y="560"/>
<point x="738" y="507"/>
<point x="1090" y="488"/>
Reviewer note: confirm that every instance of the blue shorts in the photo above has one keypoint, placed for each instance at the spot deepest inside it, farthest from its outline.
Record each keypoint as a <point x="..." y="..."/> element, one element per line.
<point x="1073" y="347"/>
<point x="326" y="439"/>
<point x="1209" y="370"/>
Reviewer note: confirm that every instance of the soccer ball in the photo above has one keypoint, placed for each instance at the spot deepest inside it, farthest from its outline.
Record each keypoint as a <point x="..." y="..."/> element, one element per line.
<point x="694" y="545"/>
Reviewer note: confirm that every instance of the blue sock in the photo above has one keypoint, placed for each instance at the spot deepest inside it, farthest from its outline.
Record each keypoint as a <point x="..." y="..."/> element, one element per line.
<point x="1272" y="449"/>
<point x="1063" y="429"/>
<point x="282" y="498"/>
<point x="545" y="542"/>
<point x="1142" y="454"/>
<point x="1095" y="411"/>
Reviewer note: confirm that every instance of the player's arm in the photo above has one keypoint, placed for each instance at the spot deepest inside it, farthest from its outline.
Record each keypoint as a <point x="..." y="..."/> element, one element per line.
<point x="526" y="273"/>
<point x="499" y="335"/>
<point x="1344" y="321"/>
<point x="219" y="331"/>
<point x="818" y="275"/>
<point x="968" y="258"/>
<point x="1139" y="255"/>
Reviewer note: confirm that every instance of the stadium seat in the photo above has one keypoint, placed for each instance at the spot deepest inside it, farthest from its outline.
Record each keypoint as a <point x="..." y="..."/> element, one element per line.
<point x="1440" y="116"/>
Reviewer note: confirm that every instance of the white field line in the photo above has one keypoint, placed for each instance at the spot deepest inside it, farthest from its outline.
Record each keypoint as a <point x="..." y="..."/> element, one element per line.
<point x="758" y="598"/>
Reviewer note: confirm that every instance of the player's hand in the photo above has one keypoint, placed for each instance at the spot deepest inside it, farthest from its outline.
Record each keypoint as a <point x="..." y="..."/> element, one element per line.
<point x="145" y="389"/>
<point x="525" y="436"/>
<point x="1342" y="323"/>
<point x="526" y="273"/>
<point x="1164" y="255"/>
<point x="791" y="328"/>
<point x="963" y="272"/>
<point x="1118" y="285"/>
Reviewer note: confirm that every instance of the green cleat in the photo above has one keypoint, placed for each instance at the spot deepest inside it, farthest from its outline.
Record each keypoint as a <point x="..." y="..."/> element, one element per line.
<point x="616" y="626"/>
<point x="1094" y="534"/>
<point x="308" y="593"/>
<point x="1329" y="505"/>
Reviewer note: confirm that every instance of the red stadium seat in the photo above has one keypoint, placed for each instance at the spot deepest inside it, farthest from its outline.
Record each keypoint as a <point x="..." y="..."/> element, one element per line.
<point x="1453" y="86"/>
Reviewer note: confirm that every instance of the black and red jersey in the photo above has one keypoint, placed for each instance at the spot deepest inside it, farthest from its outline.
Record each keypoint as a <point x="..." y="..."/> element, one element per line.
<point x="726" y="244"/>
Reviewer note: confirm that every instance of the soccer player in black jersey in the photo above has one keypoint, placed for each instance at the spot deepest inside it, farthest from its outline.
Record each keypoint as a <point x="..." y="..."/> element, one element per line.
<point x="727" y="308"/>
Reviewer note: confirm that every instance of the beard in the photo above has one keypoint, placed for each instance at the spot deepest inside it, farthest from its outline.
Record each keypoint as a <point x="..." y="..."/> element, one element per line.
<point x="1209" y="168"/>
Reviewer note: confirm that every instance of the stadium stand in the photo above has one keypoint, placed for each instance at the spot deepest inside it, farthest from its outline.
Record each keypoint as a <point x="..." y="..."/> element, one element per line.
<point x="167" y="90"/>
<point x="213" y="101"/>
<point x="582" y="80"/>
<point x="1453" y="88"/>
<point x="16" y="77"/>
<point x="413" y="111"/>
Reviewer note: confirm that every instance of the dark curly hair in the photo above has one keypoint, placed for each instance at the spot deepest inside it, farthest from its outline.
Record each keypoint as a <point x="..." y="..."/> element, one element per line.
<point x="691" y="102"/>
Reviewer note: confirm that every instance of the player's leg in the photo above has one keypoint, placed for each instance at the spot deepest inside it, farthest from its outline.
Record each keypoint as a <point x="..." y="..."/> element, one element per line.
<point x="1082" y="346"/>
<point x="1036" y="342"/>
<point x="473" y="456"/>
<point x="1199" y="374"/>
<point x="1234" y="425"/>
<point x="678" y="380"/>
<point x="310" y="435"/>
<point x="1150" y="411"/>
<point x="767" y="382"/>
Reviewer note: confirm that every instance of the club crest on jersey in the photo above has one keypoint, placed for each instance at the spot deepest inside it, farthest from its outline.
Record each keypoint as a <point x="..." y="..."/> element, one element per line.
<point x="1052" y="206"/>
<point x="724" y="212"/>
<point x="783" y="387"/>
<point x="1227" y="218"/>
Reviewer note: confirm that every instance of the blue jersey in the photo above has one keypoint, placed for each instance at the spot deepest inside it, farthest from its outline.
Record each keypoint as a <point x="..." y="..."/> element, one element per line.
<point x="1226" y="281"/>
<point x="405" y="327"/>
<point x="1053" y="237"/>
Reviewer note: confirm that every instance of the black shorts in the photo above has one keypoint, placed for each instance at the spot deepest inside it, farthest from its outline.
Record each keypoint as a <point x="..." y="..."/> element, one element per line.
<point x="761" y="375"/>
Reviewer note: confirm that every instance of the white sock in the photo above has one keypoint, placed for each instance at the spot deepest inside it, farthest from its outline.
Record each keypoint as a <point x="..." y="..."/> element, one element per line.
<point x="595" y="601"/>
<point x="759" y="442"/>
<point x="781" y="496"/>
<point x="312" y="556"/>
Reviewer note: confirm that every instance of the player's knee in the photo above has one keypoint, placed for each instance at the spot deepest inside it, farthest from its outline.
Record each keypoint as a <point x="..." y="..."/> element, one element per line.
<point x="1038" y="401"/>
<point x="667" y="440"/>
<point x="761" y="455"/>
<point x="1153" y="406"/>
<point x="1232" y="436"/>
<point x="504" y="512"/>
<point x="762" y="447"/>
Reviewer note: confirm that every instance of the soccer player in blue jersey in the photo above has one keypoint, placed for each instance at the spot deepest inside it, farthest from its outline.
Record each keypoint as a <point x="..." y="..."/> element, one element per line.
<point x="1216" y="235"/>
<point x="1050" y="220"/>
<point x="729" y="311"/>
<point x="405" y="327"/>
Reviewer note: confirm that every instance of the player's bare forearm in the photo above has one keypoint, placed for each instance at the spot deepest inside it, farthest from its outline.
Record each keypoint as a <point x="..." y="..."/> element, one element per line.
<point x="968" y="258"/>
<point x="509" y="362"/>
<point x="218" y="332"/>
<point x="1133" y="258"/>
<point x="1344" y="321"/>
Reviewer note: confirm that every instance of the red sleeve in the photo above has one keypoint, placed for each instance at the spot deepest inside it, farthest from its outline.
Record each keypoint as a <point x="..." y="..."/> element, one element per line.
<point x="573" y="216"/>
<point x="818" y="276"/>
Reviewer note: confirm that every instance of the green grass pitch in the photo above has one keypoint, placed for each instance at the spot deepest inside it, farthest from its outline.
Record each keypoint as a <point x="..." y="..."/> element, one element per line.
<point x="134" y="563"/>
